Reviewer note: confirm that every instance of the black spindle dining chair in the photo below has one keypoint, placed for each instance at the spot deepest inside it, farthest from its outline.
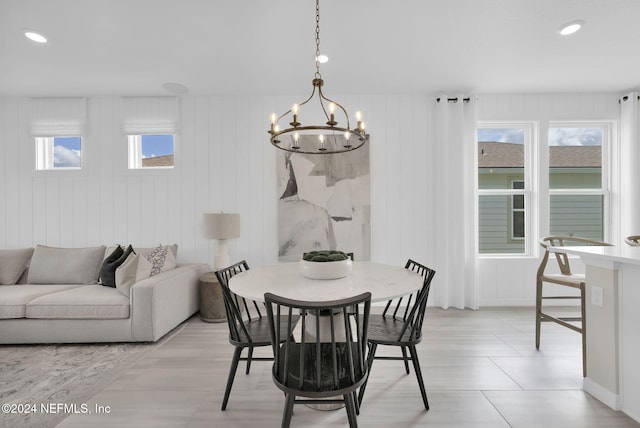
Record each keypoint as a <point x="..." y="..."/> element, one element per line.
<point x="248" y="325"/>
<point x="400" y="324"/>
<point x="328" y="358"/>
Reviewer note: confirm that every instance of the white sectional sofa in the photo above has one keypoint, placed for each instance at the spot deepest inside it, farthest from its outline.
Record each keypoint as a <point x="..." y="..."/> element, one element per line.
<point x="75" y="308"/>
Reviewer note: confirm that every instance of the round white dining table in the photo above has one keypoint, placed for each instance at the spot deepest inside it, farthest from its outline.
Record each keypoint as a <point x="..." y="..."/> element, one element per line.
<point x="383" y="281"/>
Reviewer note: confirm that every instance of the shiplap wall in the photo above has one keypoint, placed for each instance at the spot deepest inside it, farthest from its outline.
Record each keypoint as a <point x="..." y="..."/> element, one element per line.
<point x="224" y="162"/>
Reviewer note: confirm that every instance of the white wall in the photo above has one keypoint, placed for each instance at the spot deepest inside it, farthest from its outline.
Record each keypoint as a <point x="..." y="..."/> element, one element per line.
<point x="225" y="162"/>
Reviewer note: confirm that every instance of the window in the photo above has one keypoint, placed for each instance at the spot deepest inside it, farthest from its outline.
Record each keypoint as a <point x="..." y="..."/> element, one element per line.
<point x="512" y="184"/>
<point x="503" y="187"/>
<point x="151" y="151"/>
<point x="58" y="153"/>
<point x="57" y="125"/>
<point x="577" y="182"/>
<point x="151" y="124"/>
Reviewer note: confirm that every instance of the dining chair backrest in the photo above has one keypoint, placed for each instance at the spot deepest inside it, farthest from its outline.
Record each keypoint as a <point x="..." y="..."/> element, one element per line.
<point x="411" y="309"/>
<point x="239" y="309"/>
<point x="633" y="240"/>
<point x="327" y="356"/>
<point x="563" y="258"/>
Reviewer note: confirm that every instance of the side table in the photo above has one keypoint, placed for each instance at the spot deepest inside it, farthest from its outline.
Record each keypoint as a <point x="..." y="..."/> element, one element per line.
<point x="211" y="299"/>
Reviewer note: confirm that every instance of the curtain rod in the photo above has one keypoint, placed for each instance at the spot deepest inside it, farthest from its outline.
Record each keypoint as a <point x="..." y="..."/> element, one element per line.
<point x="626" y="98"/>
<point x="455" y="100"/>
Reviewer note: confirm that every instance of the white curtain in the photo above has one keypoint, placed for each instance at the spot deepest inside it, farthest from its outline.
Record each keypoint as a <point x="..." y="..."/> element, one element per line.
<point x="150" y="115"/>
<point x="455" y="173"/>
<point x="630" y="164"/>
<point x="58" y="117"/>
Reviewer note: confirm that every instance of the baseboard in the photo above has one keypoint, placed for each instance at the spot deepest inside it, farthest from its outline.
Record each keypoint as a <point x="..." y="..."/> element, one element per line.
<point x="601" y="393"/>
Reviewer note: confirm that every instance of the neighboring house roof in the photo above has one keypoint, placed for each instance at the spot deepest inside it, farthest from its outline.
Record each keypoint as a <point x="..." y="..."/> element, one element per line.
<point x="510" y="155"/>
<point x="166" y="160"/>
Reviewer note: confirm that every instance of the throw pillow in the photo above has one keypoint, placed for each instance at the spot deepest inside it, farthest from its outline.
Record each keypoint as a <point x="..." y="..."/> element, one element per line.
<point x="134" y="269"/>
<point x="12" y="264"/>
<point x="145" y="251"/>
<point x="162" y="259"/>
<point x="111" y="263"/>
<point x="105" y="277"/>
<point x="51" y="265"/>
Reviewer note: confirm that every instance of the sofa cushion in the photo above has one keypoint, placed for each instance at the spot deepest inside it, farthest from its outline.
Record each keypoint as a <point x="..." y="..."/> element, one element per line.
<point x="51" y="265"/>
<point x="13" y="263"/>
<point x="13" y="299"/>
<point x="134" y="269"/>
<point x="85" y="302"/>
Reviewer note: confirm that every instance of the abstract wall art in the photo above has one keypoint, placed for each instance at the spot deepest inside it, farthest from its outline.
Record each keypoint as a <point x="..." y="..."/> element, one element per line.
<point x="324" y="203"/>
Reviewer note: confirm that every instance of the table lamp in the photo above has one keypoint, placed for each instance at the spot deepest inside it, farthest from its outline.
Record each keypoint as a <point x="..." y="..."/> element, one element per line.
<point x="221" y="226"/>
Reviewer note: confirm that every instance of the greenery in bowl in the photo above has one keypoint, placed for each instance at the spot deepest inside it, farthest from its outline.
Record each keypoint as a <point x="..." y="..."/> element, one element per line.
<point x="325" y="256"/>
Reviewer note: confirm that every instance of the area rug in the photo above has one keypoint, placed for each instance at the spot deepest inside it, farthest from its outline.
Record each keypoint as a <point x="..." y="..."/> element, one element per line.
<point x="40" y="385"/>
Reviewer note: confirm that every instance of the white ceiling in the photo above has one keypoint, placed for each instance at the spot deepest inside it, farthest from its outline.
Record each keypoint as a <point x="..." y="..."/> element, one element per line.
<point x="267" y="46"/>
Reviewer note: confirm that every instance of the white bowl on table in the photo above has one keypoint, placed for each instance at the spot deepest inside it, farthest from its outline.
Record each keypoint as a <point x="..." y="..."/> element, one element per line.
<point x="326" y="270"/>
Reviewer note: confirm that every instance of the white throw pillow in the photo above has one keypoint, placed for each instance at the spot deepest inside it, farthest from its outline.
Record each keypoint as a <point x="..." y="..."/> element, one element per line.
<point x="162" y="259"/>
<point x="134" y="269"/>
<point x="13" y="263"/>
<point x="145" y="251"/>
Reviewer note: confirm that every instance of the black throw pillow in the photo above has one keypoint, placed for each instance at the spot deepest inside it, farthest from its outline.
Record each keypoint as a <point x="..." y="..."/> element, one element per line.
<point x="111" y="263"/>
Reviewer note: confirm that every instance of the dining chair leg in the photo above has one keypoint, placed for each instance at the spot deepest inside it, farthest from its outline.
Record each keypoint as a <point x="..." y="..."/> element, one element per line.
<point x="538" y="311"/>
<point x="249" y="356"/>
<point x="584" y="330"/>
<point x="288" y="410"/>
<point x="351" y="410"/>
<point x="356" y="402"/>
<point x="232" y="373"/>
<point x="370" y="358"/>
<point x="416" y="368"/>
<point x="406" y="360"/>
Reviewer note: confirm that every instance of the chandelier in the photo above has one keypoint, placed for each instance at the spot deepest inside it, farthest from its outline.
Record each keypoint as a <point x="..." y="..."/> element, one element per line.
<point x="330" y="137"/>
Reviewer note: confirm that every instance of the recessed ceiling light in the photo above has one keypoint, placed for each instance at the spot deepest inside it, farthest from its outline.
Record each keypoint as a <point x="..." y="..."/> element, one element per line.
<point x="39" y="38"/>
<point x="570" y="27"/>
<point x="322" y="58"/>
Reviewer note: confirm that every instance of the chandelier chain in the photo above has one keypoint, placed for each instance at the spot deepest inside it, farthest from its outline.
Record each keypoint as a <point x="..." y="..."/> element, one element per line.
<point x="318" y="39"/>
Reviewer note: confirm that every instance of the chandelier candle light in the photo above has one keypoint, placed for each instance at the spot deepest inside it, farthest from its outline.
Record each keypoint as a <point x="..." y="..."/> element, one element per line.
<point x="318" y="139"/>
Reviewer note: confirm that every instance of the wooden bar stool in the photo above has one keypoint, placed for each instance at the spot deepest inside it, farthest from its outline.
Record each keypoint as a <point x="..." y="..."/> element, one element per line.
<point x="567" y="279"/>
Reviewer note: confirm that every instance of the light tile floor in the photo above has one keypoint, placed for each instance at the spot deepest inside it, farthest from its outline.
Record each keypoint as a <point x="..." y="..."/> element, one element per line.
<point x="481" y="369"/>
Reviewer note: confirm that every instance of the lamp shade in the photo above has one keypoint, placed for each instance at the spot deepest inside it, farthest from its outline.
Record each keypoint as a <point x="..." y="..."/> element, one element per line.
<point x="221" y="225"/>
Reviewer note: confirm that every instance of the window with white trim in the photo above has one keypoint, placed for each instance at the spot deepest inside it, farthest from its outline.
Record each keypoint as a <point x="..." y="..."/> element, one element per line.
<point x="578" y="184"/>
<point x="151" y="151"/>
<point x="58" y="153"/>
<point x="504" y="187"/>
<point x="151" y="125"/>
<point x="57" y="126"/>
